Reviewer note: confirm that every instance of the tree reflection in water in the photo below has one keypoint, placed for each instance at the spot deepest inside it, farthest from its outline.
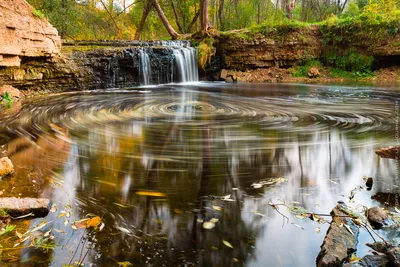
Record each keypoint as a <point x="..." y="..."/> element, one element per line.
<point x="198" y="145"/>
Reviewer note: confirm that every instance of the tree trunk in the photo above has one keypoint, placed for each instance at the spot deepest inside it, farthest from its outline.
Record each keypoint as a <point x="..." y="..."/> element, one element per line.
<point x="204" y="20"/>
<point x="189" y="29"/>
<point x="177" y="17"/>
<point x="146" y="11"/>
<point x="165" y="21"/>
<point x="220" y="14"/>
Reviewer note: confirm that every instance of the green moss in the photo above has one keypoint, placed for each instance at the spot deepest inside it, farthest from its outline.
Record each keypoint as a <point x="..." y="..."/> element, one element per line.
<point x="38" y="13"/>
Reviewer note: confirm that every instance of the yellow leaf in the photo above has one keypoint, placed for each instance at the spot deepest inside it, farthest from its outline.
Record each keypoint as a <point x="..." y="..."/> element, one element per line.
<point x="88" y="222"/>
<point x="226" y="243"/>
<point x="217" y="208"/>
<point x="125" y="264"/>
<point x="150" y="194"/>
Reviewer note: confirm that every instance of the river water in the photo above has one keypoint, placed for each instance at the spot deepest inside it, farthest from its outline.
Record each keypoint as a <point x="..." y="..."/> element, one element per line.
<point x="174" y="171"/>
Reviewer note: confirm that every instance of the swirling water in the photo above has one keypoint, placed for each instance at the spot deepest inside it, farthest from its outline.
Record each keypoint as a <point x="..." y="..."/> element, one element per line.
<point x="191" y="145"/>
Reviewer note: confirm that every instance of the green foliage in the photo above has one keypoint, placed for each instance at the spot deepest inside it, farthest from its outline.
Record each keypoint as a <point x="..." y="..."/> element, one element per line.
<point x="3" y="213"/>
<point x="350" y="61"/>
<point x="7" y="97"/>
<point x="7" y="229"/>
<point x="38" y="13"/>
<point x="205" y="52"/>
<point x="304" y="68"/>
<point x="339" y="73"/>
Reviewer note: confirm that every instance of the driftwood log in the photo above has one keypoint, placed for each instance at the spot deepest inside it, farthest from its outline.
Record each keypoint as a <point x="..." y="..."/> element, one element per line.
<point x="390" y="152"/>
<point x="16" y="207"/>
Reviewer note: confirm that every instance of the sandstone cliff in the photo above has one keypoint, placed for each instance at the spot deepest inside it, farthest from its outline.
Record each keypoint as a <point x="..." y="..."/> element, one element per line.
<point x="24" y="35"/>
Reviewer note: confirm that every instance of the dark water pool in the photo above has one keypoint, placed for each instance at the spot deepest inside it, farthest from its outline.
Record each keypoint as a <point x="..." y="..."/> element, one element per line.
<point x="162" y="165"/>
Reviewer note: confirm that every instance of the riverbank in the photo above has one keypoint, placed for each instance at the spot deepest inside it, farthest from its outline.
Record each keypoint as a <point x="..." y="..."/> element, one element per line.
<point x="322" y="75"/>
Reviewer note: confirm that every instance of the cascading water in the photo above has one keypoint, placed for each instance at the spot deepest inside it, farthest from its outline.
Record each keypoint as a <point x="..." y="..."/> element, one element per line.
<point x="183" y="67"/>
<point x="144" y="67"/>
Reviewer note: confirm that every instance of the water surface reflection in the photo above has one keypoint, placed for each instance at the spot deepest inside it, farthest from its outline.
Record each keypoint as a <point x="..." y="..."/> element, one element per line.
<point x="193" y="145"/>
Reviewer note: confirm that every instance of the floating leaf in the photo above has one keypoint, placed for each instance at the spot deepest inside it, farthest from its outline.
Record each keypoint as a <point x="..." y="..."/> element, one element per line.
<point x="318" y="230"/>
<point x="150" y="194"/>
<point x="226" y="243"/>
<point x="53" y="208"/>
<point x="121" y="205"/>
<point x="178" y="211"/>
<point x="298" y="226"/>
<point x="125" y="264"/>
<point x="354" y="258"/>
<point x="208" y="225"/>
<point x="88" y="222"/>
<point x="348" y="229"/>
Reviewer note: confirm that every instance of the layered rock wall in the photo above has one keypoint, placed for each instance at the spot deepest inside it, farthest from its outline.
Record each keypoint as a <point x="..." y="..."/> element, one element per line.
<point x="24" y="35"/>
<point x="280" y="48"/>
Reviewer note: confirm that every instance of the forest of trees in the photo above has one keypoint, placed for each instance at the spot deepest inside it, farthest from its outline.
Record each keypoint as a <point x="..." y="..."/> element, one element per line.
<point x="164" y="19"/>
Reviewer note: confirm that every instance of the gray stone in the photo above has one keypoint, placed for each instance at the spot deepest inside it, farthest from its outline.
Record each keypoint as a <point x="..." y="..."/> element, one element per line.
<point x="339" y="242"/>
<point x="370" y="261"/>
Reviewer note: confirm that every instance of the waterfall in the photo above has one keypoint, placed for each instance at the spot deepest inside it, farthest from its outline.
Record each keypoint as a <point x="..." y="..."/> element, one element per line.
<point x="186" y="64"/>
<point x="183" y="67"/>
<point x="144" y="67"/>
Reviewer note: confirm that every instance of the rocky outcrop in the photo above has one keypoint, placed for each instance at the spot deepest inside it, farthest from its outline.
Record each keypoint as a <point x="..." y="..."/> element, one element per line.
<point x="280" y="48"/>
<point x="24" y="35"/>
<point x="15" y="207"/>
<point x="390" y="152"/>
<point x="341" y="239"/>
<point x="285" y="45"/>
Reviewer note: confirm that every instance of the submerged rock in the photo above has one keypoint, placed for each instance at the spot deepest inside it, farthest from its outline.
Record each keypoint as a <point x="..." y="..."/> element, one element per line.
<point x="369" y="183"/>
<point x="370" y="261"/>
<point x="6" y="167"/>
<point x="377" y="217"/>
<point x="15" y="207"/>
<point x="341" y="239"/>
<point x="390" y="152"/>
<point x="394" y="256"/>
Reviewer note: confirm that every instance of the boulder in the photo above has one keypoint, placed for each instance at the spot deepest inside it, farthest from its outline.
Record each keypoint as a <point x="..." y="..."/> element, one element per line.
<point x="313" y="72"/>
<point x="377" y="217"/>
<point x="13" y="92"/>
<point x="6" y="167"/>
<point x="15" y="207"/>
<point x="369" y="183"/>
<point x="224" y="74"/>
<point x="341" y="239"/>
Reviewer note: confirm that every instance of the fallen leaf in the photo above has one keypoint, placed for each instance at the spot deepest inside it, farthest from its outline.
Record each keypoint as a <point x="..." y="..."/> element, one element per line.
<point x="226" y="243"/>
<point x="125" y="264"/>
<point x="218" y="208"/>
<point x="348" y="228"/>
<point x="150" y="194"/>
<point x="298" y="226"/>
<point x="208" y="225"/>
<point x="318" y="230"/>
<point x="88" y="222"/>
